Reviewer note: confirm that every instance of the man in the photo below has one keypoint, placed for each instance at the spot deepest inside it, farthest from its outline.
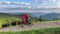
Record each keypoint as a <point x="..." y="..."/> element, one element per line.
<point x="25" y="18"/>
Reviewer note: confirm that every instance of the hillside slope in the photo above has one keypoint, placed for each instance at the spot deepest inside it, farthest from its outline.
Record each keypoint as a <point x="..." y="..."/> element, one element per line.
<point x="4" y="17"/>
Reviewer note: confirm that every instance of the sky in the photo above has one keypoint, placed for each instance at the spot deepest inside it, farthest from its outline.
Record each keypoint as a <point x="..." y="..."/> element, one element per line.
<point x="21" y="5"/>
<point x="36" y="3"/>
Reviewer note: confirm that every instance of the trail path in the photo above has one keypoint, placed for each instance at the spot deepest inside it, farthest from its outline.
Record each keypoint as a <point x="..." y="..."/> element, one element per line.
<point x="35" y="26"/>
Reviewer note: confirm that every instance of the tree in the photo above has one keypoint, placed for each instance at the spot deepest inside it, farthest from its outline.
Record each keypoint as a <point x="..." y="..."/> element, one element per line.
<point x="40" y="19"/>
<point x="45" y="19"/>
<point x="56" y="18"/>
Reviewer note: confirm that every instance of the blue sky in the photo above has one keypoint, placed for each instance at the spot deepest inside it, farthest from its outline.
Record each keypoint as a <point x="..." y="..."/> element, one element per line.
<point x="16" y="5"/>
<point x="39" y="3"/>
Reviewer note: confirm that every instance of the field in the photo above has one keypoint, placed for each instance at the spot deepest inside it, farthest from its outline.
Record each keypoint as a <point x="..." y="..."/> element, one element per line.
<point x="6" y="19"/>
<point x="55" y="30"/>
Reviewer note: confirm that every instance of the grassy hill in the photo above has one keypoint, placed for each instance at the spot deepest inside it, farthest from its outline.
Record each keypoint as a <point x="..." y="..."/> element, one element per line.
<point x="4" y="17"/>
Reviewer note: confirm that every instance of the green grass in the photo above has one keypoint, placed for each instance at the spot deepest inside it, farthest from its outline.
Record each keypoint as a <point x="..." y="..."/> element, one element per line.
<point x="36" y="31"/>
<point x="4" y="18"/>
<point x="7" y="19"/>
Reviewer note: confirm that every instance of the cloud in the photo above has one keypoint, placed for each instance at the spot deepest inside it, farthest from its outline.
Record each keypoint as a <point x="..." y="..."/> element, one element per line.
<point x="0" y="2"/>
<point x="58" y="2"/>
<point x="50" y="10"/>
<point x="47" y="3"/>
<point x="41" y="3"/>
<point x="18" y="3"/>
<point x="24" y="4"/>
<point x="15" y="2"/>
<point x="52" y="0"/>
<point x="6" y="2"/>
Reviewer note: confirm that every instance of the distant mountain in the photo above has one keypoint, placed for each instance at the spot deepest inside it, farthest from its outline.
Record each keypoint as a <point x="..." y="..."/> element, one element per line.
<point x="50" y="16"/>
<point x="34" y="15"/>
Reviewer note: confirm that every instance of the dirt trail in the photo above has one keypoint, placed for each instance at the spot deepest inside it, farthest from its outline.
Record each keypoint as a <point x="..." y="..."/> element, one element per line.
<point x="35" y="26"/>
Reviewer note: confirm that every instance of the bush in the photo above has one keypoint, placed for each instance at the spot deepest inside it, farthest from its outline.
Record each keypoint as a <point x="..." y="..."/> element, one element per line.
<point x="5" y="25"/>
<point x="13" y="24"/>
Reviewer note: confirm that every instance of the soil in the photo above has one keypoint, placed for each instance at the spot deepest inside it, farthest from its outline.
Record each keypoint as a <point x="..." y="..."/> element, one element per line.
<point x="34" y="26"/>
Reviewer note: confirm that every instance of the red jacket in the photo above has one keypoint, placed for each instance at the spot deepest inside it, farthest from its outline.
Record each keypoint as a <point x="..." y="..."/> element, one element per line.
<point x="24" y="18"/>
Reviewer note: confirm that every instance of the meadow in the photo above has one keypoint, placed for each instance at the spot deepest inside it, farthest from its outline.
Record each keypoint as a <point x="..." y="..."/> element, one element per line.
<point x="55" y="30"/>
